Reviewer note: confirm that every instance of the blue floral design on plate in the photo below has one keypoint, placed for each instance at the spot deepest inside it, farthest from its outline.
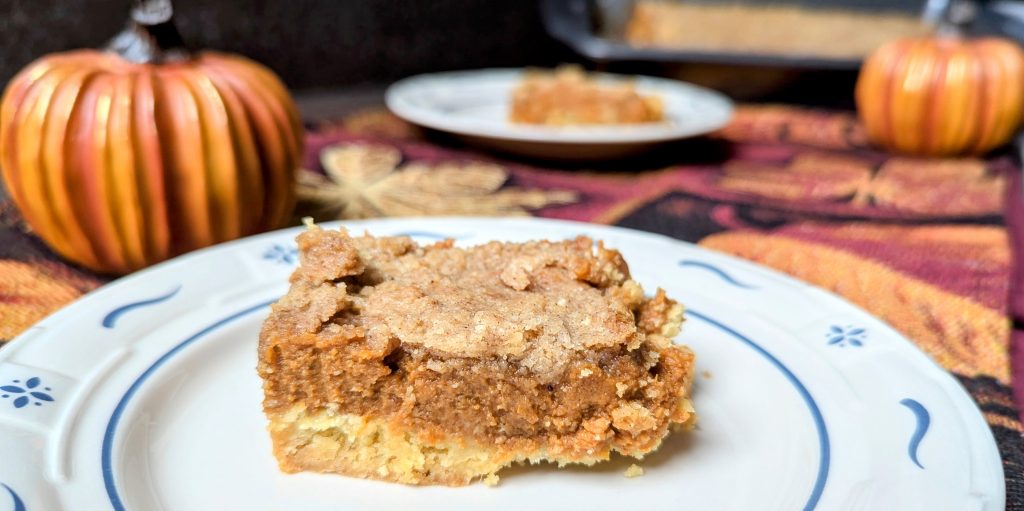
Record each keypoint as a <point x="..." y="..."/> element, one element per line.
<point x="282" y="254"/>
<point x="846" y="336"/>
<point x="25" y="393"/>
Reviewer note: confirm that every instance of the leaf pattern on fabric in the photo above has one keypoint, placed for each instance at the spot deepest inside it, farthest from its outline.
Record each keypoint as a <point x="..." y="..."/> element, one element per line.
<point x="810" y="176"/>
<point x="28" y="294"/>
<point x="941" y="187"/>
<point x="961" y="334"/>
<point x="367" y="181"/>
<point x="787" y="124"/>
<point x="919" y="186"/>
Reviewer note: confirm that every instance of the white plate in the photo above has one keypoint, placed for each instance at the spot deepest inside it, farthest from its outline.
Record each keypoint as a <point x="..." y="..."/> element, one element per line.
<point x="147" y="398"/>
<point x="474" y="106"/>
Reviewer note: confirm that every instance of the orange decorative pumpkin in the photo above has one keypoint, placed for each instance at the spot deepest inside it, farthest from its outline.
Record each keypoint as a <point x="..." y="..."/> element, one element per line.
<point x="122" y="158"/>
<point x="942" y="96"/>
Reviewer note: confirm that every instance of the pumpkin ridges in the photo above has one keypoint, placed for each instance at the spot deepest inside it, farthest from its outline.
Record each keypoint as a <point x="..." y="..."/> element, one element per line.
<point x="282" y="113"/>
<point x="88" y="151"/>
<point x="186" y="173"/>
<point x="271" y="147"/>
<point x="934" y="118"/>
<point x="889" y="89"/>
<point x="910" y="97"/>
<point x="275" y="86"/>
<point x="297" y="131"/>
<point x="994" y="95"/>
<point x="122" y="173"/>
<point x="896" y="117"/>
<point x="963" y="104"/>
<point x="986" y="93"/>
<point x="149" y="159"/>
<point x="924" y="68"/>
<point x="287" y="113"/>
<point x="12" y="100"/>
<point x="32" y="196"/>
<point x="222" y="179"/>
<point x="112" y="215"/>
<point x="878" y="80"/>
<point x="15" y="149"/>
<point x="242" y="135"/>
<point x="86" y="174"/>
<point x="283" y="99"/>
<point x="889" y="86"/>
<point x="1004" y="119"/>
<point x="293" y="154"/>
<point x="1012" y="61"/>
<point x="55" y="164"/>
<point x="14" y="107"/>
<point x="975" y="122"/>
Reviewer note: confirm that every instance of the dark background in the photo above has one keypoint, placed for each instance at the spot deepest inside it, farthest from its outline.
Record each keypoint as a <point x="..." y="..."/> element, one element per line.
<point x="312" y="44"/>
<point x="337" y="54"/>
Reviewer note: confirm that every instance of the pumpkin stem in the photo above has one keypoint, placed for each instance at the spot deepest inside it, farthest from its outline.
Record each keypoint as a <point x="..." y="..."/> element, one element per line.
<point x="959" y="15"/>
<point x="150" y="36"/>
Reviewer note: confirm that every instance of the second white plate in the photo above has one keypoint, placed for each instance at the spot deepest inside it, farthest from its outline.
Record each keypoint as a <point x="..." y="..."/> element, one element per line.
<point x="474" y="106"/>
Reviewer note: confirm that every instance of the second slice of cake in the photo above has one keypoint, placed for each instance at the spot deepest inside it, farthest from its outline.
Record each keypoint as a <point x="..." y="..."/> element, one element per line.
<point x="440" y="365"/>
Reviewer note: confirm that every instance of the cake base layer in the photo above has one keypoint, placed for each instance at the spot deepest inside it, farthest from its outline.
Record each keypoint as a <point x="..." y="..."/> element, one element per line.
<point x="375" y="448"/>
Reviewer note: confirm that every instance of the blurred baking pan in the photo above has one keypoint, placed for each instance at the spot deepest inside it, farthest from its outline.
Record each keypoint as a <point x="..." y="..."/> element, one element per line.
<point x="814" y="34"/>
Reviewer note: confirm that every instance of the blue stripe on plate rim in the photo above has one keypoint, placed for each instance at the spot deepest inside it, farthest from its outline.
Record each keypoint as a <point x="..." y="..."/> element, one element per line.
<point x="110" y="320"/>
<point x="18" y="504"/>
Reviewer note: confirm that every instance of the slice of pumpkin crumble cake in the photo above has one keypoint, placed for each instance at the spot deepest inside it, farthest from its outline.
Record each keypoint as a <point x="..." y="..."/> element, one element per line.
<point x="440" y="365"/>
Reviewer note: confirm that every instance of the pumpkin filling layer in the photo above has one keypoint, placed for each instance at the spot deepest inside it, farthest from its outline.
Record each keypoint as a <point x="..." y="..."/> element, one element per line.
<point x="440" y="365"/>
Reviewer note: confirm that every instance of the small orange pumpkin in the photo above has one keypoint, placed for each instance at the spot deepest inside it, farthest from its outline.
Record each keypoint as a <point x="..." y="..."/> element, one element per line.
<point x="120" y="159"/>
<point x="942" y="96"/>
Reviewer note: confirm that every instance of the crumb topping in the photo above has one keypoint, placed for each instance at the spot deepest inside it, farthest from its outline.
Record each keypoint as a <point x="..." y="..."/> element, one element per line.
<point x="536" y="303"/>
